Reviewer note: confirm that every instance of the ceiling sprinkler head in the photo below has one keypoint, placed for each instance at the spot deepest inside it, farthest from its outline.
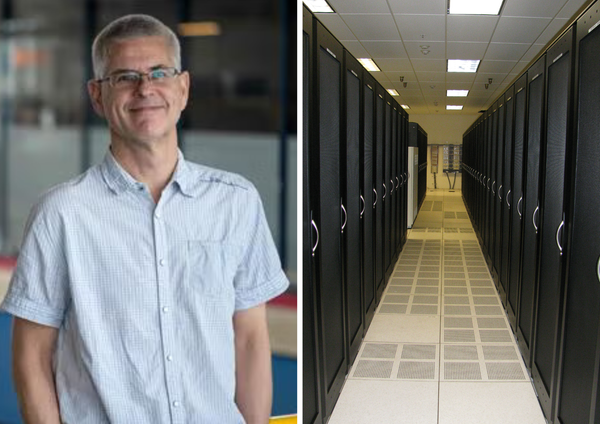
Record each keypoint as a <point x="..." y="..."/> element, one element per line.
<point x="405" y="84"/>
<point x="401" y="79"/>
<point x="490" y="80"/>
<point x="424" y="47"/>
<point x="432" y="86"/>
<point x="425" y="52"/>
<point x="487" y="86"/>
<point x="435" y="103"/>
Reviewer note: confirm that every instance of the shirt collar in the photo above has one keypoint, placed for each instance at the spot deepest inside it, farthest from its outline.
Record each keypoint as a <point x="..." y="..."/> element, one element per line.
<point x="119" y="180"/>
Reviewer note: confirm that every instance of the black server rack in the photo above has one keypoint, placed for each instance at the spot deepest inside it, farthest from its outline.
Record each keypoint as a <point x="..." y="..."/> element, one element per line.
<point x="507" y="193"/>
<point x="369" y="196"/>
<point x="379" y="188"/>
<point x="387" y="190"/>
<point x="578" y="397"/>
<point x="550" y="288"/>
<point x="350" y="169"/>
<point x="394" y="187"/>
<point x="498" y="193"/>
<point x="327" y="212"/>
<point x="311" y="387"/>
<point x="536" y="77"/>
<point x="516" y="213"/>
<point x="491" y="209"/>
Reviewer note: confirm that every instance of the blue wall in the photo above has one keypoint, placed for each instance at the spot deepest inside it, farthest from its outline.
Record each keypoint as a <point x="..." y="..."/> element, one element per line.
<point x="284" y="380"/>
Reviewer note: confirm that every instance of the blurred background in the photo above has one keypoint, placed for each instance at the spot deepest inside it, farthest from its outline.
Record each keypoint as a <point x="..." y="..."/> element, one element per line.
<point x="241" y="55"/>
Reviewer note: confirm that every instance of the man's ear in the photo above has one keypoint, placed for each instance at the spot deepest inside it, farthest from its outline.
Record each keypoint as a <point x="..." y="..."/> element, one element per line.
<point x="95" y="92"/>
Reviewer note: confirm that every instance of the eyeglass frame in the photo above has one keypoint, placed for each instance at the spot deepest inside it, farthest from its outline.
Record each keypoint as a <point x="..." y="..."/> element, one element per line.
<point x="141" y="75"/>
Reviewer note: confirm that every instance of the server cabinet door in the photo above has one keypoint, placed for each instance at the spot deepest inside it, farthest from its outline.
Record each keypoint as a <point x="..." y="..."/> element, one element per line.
<point x="536" y="76"/>
<point x="311" y="389"/>
<point x="498" y="192"/>
<point x="508" y="193"/>
<point x="353" y="205"/>
<point x="369" y="283"/>
<point x="550" y="288"/>
<point x="516" y="213"/>
<point x="491" y="195"/>
<point x="578" y="394"/>
<point x="387" y="196"/>
<point x="379" y="189"/>
<point x="330" y="289"/>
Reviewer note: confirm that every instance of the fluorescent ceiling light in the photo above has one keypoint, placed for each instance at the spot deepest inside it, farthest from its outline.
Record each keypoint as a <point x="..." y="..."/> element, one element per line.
<point x="392" y="92"/>
<point x="457" y="93"/>
<point x="457" y="65"/>
<point x="475" y="7"/>
<point x="318" y="6"/>
<point x="454" y="107"/>
<point x="199" y="29"/>
<point x="405" y="107"/>
<point x="369" y="64"/>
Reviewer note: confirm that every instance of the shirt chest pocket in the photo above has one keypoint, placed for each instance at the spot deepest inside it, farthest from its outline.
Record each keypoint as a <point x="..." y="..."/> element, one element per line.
<point x="211" y="268"/>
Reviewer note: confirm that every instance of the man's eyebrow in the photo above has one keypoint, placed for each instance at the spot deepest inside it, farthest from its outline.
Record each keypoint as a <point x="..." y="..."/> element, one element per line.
<point x="152" y="68"/>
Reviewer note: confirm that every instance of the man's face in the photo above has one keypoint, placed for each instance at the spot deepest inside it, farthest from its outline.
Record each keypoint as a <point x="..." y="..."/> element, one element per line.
<point x="148" y="111"/>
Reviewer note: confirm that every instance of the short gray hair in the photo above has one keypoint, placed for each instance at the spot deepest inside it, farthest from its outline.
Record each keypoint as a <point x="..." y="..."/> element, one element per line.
<point x="131" y="26"/>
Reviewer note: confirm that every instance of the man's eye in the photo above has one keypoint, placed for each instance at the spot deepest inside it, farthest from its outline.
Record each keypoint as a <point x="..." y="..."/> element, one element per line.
<point x="158" y="74"/>
<point x="126" y="78"/>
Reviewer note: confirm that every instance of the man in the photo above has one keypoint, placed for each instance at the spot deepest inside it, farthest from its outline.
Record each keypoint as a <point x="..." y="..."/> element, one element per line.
<point x="140" y="286"/>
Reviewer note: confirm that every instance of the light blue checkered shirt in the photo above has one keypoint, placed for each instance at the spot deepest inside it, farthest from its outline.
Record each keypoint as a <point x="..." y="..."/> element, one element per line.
<point x="144" y="293"/>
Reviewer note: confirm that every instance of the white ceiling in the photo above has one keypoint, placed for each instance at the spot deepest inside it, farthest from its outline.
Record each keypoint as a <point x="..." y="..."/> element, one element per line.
<point x="391" y="32"/>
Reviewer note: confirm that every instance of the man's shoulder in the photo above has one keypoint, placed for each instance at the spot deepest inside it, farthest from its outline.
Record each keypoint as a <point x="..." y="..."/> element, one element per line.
<point x="68" y="192"/>
<point x="202" y="174"/>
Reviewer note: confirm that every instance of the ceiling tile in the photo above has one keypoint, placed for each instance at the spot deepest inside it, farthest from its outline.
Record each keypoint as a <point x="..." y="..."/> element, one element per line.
<point x="372" y="27"/>
<point x="437" y="49"/>
<point x="409" y="76"/>
<point x="570" y="8"/>
<point x="553" y="28"/>
<point x="532" y="8"/>
<point x="432" y="65"/>
<point x="496" y="66"/>
<point x="519" y="30"/>
<point x="394" y="64"/>
<point x="359" y="6"/>
<point x="335" y="24"/>
<point x="452" y="85"/>
<point x="356" y="49"/>
<point x="460" y="77"/>
<point x="429" y="7"/>
<point x="421" y="27"/>
<point x="505" y="51"/>
<point x="483" y="77"/>
<point x="532" y="52"/>
<point x="470" y="28"/>
<point x="385" y="49"/>
<point x="425" y="76"/>
<point x="466" y="50"/>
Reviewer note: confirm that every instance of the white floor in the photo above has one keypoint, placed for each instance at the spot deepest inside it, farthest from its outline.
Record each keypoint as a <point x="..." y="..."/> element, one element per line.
<point x="439" y="349"/>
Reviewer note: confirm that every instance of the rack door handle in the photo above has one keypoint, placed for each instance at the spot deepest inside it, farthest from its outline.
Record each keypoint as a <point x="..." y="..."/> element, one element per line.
<point x="494" y="191"/>
<point x="507" y="194"/>
<point x="392" y="189"/>
<point x="500" y="195"/>
<point x="488" y="183"/>
<point x="518" y="210"/>
<point x="397" y="183"/>
<point x="598" y="269"/>
<point x="562" y="223"/>
<point x="375" y="191"/>
<point x="533" y="219"/>
<point x="345" y="217"/>
<point x="312" y="221"/>
<point x="385" y="192"/>
<point x="363" y="207"/>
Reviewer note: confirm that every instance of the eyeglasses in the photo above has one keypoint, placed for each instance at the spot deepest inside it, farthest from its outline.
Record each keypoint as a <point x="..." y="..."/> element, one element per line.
<point x="131" y="79"/>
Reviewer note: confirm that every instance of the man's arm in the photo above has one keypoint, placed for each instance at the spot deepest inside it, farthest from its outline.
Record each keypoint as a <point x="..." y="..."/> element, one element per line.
<point x="33" y="347"/>
<point x="254" y="386"/>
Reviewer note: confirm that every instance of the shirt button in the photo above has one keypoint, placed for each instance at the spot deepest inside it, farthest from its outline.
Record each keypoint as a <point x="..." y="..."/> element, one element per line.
<point x="176" y="404"/>
<point x="162" y="262"/>
<point x="169" y="358"/>
<point x="165" y="309"/>
<point x="157" y="215"/>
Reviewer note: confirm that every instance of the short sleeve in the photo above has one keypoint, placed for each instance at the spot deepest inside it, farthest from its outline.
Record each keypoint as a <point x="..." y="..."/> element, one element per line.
<point x="259" y="277"/>
<point x="38" y="290"/>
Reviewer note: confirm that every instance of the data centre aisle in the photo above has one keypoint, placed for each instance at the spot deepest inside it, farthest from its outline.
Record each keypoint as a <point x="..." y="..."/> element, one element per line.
<point x="439" y="349"/>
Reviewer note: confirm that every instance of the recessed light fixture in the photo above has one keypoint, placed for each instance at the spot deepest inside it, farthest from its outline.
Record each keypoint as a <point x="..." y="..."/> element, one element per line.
<point x="425" y="52"/>
<point x="369" y="64"/>
<point x="405" y="107"/>
<point x="199" y="29"/>
<point x="457" y="65"/>
<point x="392" y="92"/>
<point x="454" y="107"/>
<point x="318" y="6"/>
<point x="457" y="93"/>
<point x="475" y="7"/>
